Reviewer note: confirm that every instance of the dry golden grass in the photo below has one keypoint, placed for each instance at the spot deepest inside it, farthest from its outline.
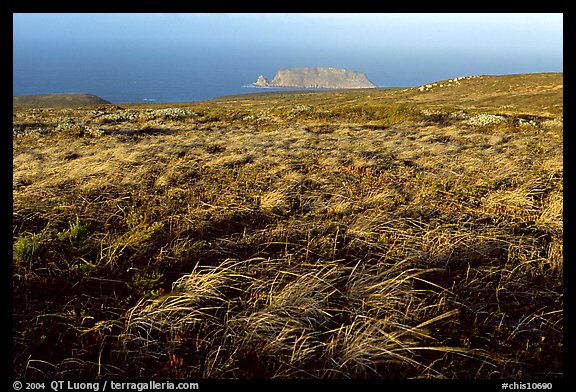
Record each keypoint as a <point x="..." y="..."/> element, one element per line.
<point x="358" y="234"/>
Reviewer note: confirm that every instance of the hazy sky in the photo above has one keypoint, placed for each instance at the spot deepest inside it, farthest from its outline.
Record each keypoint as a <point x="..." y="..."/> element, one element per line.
<point x="392" y="49"/>
<point x="492" y="32"/>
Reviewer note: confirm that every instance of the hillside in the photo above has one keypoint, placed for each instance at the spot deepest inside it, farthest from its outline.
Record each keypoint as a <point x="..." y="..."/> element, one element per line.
<point x="317" y="77"/>
<point x="57" y="100"/>
<point x="379" y="233"/>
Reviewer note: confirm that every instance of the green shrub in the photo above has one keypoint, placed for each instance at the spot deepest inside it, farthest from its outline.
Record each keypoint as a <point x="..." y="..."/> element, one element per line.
<point x="27" y="248"/>
<point x="75" y="232"/>
<point x="402" y="112"/>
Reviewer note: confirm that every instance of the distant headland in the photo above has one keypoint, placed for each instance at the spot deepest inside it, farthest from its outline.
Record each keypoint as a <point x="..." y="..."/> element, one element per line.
<point x="316" y="77"/>
<point x="56" y="100"/>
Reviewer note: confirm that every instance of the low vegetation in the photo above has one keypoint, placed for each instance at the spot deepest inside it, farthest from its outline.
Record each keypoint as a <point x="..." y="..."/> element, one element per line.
<point x="382" y="233"/>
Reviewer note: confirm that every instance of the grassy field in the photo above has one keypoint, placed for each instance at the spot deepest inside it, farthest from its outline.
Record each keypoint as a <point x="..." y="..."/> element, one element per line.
<point x="381" y="233"/>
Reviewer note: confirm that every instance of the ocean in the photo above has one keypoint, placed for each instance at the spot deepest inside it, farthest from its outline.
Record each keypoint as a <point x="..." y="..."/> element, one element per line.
<point x="168" y="72"/>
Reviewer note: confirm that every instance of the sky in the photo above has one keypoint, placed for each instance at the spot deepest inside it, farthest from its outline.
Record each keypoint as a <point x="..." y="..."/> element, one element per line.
<point x="516" y="32"/>
<point x="427" y="46"/>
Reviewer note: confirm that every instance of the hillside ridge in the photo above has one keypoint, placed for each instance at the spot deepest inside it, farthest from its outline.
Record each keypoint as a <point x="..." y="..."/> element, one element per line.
<point x="58" y="100"/>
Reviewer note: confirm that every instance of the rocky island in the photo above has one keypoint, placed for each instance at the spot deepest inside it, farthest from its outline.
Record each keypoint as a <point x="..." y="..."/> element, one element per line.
<point x="316" y="77"/>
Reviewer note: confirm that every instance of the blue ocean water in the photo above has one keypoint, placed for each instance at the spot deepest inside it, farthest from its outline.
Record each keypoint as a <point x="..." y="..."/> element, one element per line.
<point x="125" y="73"/>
